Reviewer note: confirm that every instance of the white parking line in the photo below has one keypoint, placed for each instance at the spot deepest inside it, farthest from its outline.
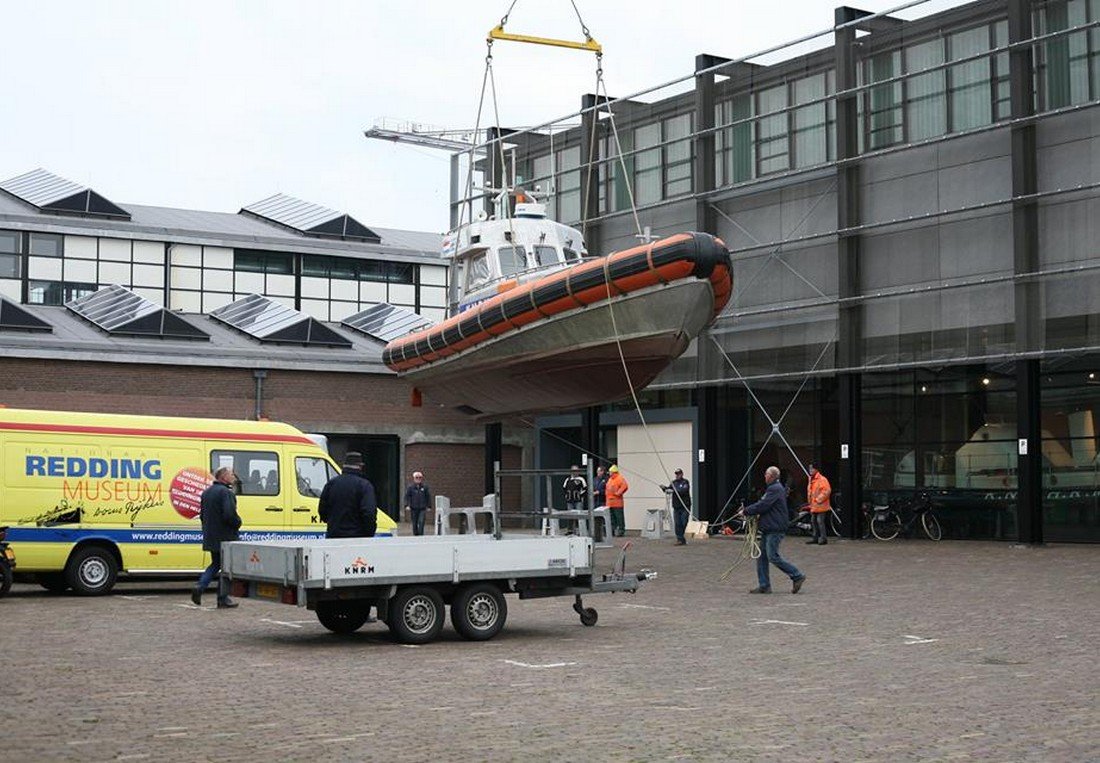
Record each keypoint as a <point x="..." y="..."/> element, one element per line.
<point x="540" y="667"/>
<point x="918" y="640"/>
<point x="775" y="622"/>
<point x="287" y="623"/>
<point x="644" y="606"/>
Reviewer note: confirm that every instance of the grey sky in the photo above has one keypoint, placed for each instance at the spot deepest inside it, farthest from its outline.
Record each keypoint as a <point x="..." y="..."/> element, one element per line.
<point x="214" y="105"/>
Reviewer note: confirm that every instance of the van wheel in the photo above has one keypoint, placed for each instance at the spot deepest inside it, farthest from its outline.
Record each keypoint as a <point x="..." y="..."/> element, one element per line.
<point x="6" y="577"/>
<point x="416" y="615"/>
<point x="54" y="582"/>
<point x="478" y="611"/>
<point x="342" y="616"/>
<point x="92" y="571"/>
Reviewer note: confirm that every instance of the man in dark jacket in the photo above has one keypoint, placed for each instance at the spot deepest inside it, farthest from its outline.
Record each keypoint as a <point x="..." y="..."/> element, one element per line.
<point x="772" y="510"/>
<point x="347" y="503"/>
<point x="220" y="522"/>
<point x="680" y="492"/>
<point x="418" y="497"/>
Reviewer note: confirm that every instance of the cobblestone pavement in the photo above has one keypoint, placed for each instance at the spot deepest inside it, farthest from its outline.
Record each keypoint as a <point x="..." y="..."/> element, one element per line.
<point x="908" y="650"/>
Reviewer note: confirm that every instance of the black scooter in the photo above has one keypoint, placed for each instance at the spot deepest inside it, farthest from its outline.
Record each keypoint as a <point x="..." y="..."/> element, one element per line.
<point x="7" y="563"/>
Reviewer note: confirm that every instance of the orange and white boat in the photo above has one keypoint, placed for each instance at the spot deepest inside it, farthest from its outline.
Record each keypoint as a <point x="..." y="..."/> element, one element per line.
<point x="538" y="325"/>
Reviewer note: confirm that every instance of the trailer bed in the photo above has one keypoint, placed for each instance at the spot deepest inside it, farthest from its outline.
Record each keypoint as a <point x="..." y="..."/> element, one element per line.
<point x="410" y="579"/>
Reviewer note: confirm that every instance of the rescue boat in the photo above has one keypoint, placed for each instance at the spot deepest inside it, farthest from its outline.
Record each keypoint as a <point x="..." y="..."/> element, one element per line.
<point x="538" y="325"/>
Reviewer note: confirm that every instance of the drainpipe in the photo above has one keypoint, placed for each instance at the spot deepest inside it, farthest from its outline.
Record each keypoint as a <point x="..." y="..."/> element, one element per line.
<point x="259" y="375"/>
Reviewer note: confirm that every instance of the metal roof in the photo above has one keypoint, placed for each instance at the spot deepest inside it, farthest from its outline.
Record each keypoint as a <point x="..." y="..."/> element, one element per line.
<point x="386" y="322"/>
<point x="14" y="317"/>
<point x="292" y="212"/>
<point x="271" y="321"/>
<point x="117" y="310"/>
<point x="41" y="188"/>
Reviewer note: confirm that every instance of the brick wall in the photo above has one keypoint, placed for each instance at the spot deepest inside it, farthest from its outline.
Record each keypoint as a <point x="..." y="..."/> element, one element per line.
<point x="457" y="471"/>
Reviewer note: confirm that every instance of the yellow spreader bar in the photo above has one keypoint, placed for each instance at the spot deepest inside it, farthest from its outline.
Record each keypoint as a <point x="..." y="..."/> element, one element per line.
<point x="498" y="33"/>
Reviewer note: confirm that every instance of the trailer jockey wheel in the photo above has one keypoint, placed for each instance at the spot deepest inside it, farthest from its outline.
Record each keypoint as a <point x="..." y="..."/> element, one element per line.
<point x="589" y="616"/>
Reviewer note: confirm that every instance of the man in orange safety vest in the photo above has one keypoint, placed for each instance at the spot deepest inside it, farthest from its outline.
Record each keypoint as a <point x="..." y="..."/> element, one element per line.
<point x="817" y="495"/>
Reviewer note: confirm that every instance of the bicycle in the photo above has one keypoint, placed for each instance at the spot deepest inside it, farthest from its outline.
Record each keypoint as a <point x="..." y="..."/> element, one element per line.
<point x="887" y="524"/>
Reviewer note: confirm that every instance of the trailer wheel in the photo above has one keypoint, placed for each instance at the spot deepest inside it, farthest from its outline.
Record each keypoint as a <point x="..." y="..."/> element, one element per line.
<point x="342" y="616"/>
<point x="53" y="582"/>
<point x="589" y="617"/>
<point x="416" y="615"/>
<point x="91" y="571"/>
<point x="478" y="611"/>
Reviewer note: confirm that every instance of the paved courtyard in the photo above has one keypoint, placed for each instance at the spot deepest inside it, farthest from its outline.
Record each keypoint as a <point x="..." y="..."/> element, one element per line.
<point x="908" y="650"/>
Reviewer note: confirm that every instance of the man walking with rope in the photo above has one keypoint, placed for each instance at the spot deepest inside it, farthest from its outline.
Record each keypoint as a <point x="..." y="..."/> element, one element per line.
<point x="772" y="510"/>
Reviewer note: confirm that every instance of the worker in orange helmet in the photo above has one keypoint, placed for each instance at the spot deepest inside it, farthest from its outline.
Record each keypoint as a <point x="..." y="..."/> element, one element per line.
<point x="616" y="488"/>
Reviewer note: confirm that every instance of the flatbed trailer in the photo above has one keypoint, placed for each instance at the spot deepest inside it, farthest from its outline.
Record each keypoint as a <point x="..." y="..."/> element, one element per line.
<point x="411" y="579"/>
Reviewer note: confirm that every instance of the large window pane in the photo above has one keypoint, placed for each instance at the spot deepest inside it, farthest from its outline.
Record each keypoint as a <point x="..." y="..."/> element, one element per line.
<point x="677" y="156"/>
<point x="882" y="105"/>
<point x="733" y="145"/>
<point x="647" y="165"/>
<point x="925" y="105"/>
<point x="771" y="132"/>
<point x="9" y="242"/>
<point x="9" y="266"/>
<point x="569" y="185"/>
<point x="809" y="122"/>
<point x="971" y="101"/>
<point x="46" y="244"/>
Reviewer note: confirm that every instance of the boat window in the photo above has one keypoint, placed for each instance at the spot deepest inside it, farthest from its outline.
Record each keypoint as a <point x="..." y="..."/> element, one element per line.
<point x="570" y="255"/>
<point x="513" y="259"/>
<point x="546" y="255"/>
<point x="477" y="272"/>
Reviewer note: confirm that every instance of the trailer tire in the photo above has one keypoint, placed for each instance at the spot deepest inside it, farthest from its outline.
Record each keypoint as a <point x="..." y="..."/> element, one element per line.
<point x="53" y="582"/>
<point x="416" y="615"/>
<point x="91" y="571"/>
<point x="478" y="611"/>
<point x="342" y="616"/>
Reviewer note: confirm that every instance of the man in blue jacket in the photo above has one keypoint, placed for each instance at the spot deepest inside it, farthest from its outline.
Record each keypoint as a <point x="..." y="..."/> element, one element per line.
<point x="772" y="510"/>
<point x="220" y="522"/>
<point x="347" y="503"/>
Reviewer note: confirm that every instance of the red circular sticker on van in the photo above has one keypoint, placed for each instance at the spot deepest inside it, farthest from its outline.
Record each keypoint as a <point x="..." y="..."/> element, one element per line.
<point x="186" y="490"/>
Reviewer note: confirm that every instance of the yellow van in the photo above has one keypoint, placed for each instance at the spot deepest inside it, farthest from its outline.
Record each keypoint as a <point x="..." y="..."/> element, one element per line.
<point x="90" y="496"/>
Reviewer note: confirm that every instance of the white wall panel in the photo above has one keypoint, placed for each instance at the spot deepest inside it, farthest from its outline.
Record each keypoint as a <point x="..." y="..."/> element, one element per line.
<point x="314" y="288"/>
<point x="12" y="289"/>
<point x="402" y="294"/>
<point x="433" y="276"/>
<point x="288" y="301"/>
<point x="372" y="292"/>
<point x="82" y="247"/>
<point x="435" y="314"/>
<point x="433" y="296"/>
<point x="248" y="283"/>
<point x="281" y="285"/>
<point x="80" y="270"/>
<point x="186" y="254"/>
<point x="114" y="272"/>
<point x="346" y="290"/>
<point x="318" y="308"/>
<point x="217" y="257"/>
<point x="340" y="310"/>
<point x="211" y="301"/>
<point x="156" y="296"/>
<point x="213" y="280"/>
<point x="44" y="268"/>
<point x="149" y="275"/>
<point x="187" y="301"/>
<point x="186" y="278"/>
<point x="115" y="249"/>
<point x="151" y="252"/>
<point x="642" y="467"/>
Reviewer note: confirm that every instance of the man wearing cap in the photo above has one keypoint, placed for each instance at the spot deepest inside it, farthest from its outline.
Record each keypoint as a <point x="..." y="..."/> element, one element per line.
<point x="680" y="489"/>
<point x="347" y="504"/>
<point x="616" y="488"/>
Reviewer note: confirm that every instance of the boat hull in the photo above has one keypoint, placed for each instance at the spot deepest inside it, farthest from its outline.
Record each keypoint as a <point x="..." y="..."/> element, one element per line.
<point x="573" y="361"/>
<point x="584" y="335"/>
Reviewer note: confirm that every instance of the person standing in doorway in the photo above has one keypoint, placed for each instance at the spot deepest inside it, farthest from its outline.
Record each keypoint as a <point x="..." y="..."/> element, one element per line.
<point x="418" y="497"/>
<point x="347" y="504"/>
<point x="220" y="522"/>
<point x="575" y="489"/>
<point x="616" y="489"/>
<point x="817" y="495"/>
<point x="772" y="510"/>
<point x="680" y="489"/>
<point x="599" y="487"/>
